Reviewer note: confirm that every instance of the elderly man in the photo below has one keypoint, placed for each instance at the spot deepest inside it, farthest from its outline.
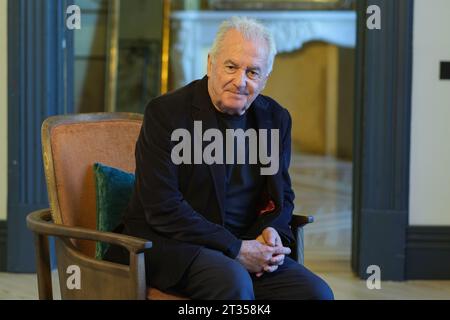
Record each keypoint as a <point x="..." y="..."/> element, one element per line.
<point x="219" y="227"/>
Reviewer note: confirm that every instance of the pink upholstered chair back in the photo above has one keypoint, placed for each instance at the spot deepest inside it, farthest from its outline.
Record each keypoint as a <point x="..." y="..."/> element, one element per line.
<point x="71" y="146"/>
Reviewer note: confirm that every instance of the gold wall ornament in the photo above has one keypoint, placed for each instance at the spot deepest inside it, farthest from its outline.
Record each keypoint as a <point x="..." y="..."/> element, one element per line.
<point x="165" y="47"/>
<point x="112" y="54"/>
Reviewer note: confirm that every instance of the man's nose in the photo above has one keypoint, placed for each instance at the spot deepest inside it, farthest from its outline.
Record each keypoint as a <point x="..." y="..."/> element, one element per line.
<point x="240" y="79"/>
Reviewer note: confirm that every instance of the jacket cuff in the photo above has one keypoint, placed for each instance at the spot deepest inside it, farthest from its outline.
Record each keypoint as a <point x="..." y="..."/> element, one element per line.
<point x="233" y="250"/>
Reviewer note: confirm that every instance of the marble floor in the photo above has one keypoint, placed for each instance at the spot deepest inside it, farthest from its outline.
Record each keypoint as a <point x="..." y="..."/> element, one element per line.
<point x="323" y="189"/>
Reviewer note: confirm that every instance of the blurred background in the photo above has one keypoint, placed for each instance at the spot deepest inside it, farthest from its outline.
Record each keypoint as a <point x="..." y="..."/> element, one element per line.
<point x="369" y="109"/>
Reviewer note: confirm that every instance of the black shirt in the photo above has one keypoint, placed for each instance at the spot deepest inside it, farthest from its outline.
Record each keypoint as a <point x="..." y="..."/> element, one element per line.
<point x="243" y="181"/>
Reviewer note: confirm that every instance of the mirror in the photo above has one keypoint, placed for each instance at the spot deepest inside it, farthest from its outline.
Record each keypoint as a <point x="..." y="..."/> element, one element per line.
<point x="135" y="54"/>
<point x="119" y="59"/>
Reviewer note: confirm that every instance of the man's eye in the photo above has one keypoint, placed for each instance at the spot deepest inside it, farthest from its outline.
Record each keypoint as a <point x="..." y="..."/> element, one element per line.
<point x="252" y="74"/>
<point x="229" y="68"/>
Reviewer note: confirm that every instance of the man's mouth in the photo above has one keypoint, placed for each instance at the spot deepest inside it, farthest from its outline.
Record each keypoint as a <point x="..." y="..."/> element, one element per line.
<point x="239" y="93"/>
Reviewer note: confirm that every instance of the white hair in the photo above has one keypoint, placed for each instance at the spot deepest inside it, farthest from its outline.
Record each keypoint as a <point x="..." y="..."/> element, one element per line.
<point x="250" y="29"/>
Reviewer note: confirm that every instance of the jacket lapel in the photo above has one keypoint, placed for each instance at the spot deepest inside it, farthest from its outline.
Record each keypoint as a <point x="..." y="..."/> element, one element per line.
<point x="264" y="120"/>
<point x="203" y="110"/>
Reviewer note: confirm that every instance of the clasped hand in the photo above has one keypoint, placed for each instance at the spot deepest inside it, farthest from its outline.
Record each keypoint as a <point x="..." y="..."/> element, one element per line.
<point x="264" y="254"/>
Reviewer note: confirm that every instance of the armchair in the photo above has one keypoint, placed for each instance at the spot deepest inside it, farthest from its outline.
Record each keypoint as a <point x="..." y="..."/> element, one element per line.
<point x="71" y="144"/>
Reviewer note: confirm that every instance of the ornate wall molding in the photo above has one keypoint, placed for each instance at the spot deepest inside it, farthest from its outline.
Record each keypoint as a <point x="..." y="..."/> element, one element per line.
<point x="194" y="33"/>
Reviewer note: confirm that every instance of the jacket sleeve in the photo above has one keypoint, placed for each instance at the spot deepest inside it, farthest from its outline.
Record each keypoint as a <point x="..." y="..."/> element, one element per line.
<point x="166" y="211"/>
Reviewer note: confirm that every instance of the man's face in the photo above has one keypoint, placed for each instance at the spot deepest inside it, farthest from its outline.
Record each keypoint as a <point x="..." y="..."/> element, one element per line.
<point x="238" y="73"/>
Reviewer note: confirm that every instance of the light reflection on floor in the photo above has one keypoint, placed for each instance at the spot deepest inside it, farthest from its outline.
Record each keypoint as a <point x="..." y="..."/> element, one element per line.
<point x="323" y="188"/>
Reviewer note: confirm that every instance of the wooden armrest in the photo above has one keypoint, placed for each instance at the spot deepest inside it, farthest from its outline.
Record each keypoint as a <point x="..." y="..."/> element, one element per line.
<point x="41" y="222"/>
<point x="300" y="220"/>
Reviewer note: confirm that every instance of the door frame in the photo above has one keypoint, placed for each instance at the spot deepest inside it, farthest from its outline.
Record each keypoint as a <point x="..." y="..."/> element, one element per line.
<point x="40" y="78"/>
<point x="382" y="133"/>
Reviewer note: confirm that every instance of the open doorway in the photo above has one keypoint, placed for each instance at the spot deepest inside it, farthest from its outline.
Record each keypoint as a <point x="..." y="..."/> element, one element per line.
<point x="314" y="78"/>
<point x="316" y="84"/>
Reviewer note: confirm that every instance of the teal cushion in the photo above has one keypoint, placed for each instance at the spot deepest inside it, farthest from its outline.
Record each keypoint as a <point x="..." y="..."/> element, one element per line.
<point x="113" y="192"/>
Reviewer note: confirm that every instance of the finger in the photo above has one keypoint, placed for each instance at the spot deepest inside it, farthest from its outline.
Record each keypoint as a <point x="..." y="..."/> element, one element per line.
<point x="261" y="239"/>
<point x="277" y="260"/>
<point x="270" y="235"/>
<point x="281" y="250"/>
<point x="259" y="274"/>
<point x="270" y="268"/>
<point x="278" y="241"/>
<point x="271" y="239"/>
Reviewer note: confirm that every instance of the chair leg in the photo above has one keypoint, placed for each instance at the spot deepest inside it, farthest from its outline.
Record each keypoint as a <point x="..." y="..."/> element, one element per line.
<point x="300" y="246"/>
<point x="137" y="270"/>
<point x="43" y="267"/>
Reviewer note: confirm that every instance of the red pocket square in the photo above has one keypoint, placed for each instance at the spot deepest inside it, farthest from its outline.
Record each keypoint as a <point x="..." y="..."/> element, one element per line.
<point x="270" y="207"/>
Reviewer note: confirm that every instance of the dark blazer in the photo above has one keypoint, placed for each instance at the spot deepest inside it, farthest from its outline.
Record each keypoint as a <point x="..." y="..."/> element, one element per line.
<point x="181" y="207"/>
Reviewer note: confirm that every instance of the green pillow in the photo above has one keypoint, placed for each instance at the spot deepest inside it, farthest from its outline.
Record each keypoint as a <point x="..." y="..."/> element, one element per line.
<point x="113" y="192"/>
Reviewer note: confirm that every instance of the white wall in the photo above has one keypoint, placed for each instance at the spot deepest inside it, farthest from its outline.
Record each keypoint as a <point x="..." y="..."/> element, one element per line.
<point x="430" y="126"/>
<point x="3" y="109"/>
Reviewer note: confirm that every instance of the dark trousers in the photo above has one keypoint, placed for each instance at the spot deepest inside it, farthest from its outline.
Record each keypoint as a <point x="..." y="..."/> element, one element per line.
<point x="214" y="276"/>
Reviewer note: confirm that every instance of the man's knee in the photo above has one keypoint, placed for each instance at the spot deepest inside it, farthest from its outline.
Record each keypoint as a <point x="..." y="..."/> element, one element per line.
<point x="236" y="284"/>
<point x="304" y="284"/>
<point x="214" y="276"/>
<point x="319" y="289"/>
